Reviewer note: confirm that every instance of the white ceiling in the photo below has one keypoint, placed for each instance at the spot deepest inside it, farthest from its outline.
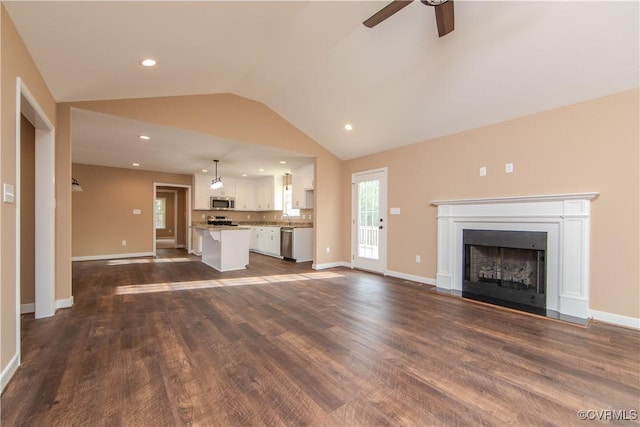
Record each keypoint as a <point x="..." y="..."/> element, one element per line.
<point x="315" y="64"/>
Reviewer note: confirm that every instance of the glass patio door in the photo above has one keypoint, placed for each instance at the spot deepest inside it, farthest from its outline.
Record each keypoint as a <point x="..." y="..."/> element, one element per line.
<point x="369" y="238"/>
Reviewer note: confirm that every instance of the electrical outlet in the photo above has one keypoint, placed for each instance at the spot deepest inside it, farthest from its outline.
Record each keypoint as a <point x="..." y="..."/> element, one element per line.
<point x="483" y="171"/>
<point x="248" y="216"/>
<point x="328" y="249"/>
<point x="202" y="216"/>
<point x="418" y="259"/>
<point x="124" y="243"/>
<point x="508" y="167"/>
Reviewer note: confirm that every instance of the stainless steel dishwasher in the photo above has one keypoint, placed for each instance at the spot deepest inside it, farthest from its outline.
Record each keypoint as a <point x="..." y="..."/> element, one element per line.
<point x="286" y="242"/>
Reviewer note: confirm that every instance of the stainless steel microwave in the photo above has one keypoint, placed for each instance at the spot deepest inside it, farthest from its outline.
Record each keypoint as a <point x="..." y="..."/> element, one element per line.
<point x="222" y="203"/>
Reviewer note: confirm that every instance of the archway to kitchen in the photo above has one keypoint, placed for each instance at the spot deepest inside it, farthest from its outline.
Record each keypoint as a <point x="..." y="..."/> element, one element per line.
<point x="172" y="216"/>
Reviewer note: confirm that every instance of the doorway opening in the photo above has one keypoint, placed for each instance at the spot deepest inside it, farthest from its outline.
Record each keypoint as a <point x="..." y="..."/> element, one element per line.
<point x="172" y="216"/>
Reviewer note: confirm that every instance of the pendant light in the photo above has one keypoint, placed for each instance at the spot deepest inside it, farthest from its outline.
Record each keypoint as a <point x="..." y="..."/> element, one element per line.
<point x="75" y="186"/>
<point x="216" y="183"/>
<point x="287" y="180"/>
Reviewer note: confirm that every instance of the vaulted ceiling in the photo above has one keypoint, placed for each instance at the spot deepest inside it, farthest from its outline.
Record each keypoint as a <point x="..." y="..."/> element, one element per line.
<point x="315" y="64"/>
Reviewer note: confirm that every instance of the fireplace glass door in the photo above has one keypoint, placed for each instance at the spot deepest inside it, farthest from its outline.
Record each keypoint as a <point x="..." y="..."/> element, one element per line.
<point x="505" y="268"/>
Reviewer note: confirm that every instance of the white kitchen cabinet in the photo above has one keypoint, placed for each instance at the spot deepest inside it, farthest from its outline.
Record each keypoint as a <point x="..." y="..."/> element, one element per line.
<point x="265" y="240"/>
<point x="269" y="192"/>
<point x="246" y="195"/>
<point x="201" y="191"/>
<point x="302" y="187"/>
<point x="303" y="244"/>
<point x="196" y="243"/>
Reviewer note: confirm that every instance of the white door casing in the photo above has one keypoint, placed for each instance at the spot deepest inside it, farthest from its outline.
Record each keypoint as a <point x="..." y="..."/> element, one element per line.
<point x="369" y="220"/>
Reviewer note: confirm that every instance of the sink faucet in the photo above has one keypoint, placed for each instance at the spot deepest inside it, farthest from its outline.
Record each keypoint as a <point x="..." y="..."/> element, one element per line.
<point x="287" y="215"/>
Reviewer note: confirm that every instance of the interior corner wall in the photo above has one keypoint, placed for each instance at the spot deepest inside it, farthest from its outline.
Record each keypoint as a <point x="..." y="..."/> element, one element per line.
<point x="103" y="214"/>
<point x="27" y="212"/>
<point x="589" y="146"/>
<point x="15" y="61"/>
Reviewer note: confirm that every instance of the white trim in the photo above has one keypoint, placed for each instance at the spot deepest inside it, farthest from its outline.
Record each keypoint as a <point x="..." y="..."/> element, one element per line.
<point x="412" y="277"/>
<point x="564" y="217"/>
<point x="28" y="308"/>
<point x="111" y="256"/>
<point x="331" y="265"/>
<point x="512" y="199"/>
<point x="188" y="235"/>
<point x="9" y="371"/>
<point x="64" y="303"/>
<point x="616" y="319"/>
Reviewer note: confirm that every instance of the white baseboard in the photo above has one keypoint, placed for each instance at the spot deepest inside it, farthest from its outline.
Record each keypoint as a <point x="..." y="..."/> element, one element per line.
<point x="7" y="373"/>
<point x="330" y="265"/>
<point x="27" y="308"/>
<point x="413" y="278"/>
<point x="64" y="303"/>
<point x="616" y="319"/>
<point x="111" y="256"/>
<point x="60" y="303"/>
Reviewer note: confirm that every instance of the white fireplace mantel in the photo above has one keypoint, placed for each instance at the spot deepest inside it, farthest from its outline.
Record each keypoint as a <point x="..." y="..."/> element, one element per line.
<point x="564" y="217"/>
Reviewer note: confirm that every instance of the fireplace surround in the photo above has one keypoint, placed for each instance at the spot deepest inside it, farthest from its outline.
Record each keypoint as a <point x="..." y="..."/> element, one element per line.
<point x="563" y="218"/>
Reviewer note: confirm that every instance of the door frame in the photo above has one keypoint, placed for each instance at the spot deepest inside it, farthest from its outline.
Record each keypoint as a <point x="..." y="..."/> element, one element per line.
<point x="188" y="207"/>
<point x="383" y="214"/>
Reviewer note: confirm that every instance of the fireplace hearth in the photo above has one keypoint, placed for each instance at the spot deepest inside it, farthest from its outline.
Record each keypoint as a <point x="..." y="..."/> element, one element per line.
<point x="506" y="268"/>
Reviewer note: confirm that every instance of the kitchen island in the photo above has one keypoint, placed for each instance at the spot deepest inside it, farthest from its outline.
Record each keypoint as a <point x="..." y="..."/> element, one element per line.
<point x="224" y="248"/>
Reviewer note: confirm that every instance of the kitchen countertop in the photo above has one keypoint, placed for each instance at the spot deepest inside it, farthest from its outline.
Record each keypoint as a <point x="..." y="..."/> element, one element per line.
<point x="218" y="227"/>
<point x="245" y="224"/>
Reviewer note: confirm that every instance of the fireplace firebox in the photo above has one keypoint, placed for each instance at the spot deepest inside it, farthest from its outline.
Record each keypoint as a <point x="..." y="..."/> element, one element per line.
<point x="505" y="268"/>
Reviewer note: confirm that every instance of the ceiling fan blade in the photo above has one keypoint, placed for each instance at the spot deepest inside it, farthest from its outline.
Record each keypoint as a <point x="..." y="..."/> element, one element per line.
<point x="444" y="18"/>
<point x="386" y="12"/>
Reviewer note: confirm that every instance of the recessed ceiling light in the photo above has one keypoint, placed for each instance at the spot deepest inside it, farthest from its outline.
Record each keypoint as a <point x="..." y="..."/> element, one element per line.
<point x="205" y="170"/>
<point x="148" y="62"/>
<point x="261" y="170"/>
<point x="282" y="162"/>
<point x="136" y="164"/>
<point x="244" y="174"/>
<point x="348" y="126"/>
<point x="145" y="137"/>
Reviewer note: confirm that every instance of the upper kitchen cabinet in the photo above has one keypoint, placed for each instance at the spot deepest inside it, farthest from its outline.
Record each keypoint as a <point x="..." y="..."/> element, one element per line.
<point x="246" y="195"/>
<point x="201" y="191"/>
<point x="269" y="192"/>
<point x="302" y="187"/>
<point x="228" y="189"/>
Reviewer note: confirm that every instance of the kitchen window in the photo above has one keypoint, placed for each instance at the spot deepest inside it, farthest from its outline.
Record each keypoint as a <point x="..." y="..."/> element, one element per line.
<point x="160" y="213"/>
<point x="287" y="205"/>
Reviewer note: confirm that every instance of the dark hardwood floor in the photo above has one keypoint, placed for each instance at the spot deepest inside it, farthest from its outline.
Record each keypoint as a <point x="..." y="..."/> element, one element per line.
<point x="281" y="344"/>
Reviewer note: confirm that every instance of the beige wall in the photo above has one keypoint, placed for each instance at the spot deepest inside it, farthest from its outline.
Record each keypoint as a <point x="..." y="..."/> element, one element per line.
<point x="234" y="117"/>
<point x="15" y="61"/>
<point x="591" y="146"/>
<point x="103" y="213"/>
<point x="27" y="211"/>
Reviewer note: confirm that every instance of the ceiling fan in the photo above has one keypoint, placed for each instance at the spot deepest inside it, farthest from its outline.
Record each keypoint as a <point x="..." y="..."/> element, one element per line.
<point x="443" y="8"/>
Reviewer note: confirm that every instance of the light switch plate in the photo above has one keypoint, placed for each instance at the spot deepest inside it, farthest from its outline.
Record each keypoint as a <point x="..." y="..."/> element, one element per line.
<point x="483" y="171"/>
<point x="394" y="211"/>
<point x="508" y="167"/>
<point x="8" y="193"/>
<point x="137" y="211"/>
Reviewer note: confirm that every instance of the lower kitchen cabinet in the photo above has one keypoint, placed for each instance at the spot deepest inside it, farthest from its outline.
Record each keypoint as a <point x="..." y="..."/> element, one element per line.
<point x="265" y="240"/>
<point x="303" y="244"/>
